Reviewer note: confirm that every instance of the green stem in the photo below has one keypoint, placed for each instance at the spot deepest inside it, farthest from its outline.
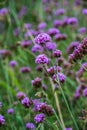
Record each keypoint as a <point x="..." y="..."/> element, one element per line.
<point x="67" y="104"/>
<point x="57" y="103"/>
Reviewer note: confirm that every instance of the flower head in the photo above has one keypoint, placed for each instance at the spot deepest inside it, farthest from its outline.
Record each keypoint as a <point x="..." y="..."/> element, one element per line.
<point x="26" y="43"/>
<point x="44" y="108"/>
<point x="39" y="118"/>
<point x="13" y="63"/>
<point x="36" y="82"/>
<point x="37" y="48"/>
<point x="42" y="38"/>
<point x="26" y="102"/>
<point x="10" y="111"/>
<point x="42" y="25"/>
<point x="20" y="95"/>
<point x="25" y="69"/>
<point x="84" y="11"/>
<point x="82" y="30"/>
<point x="30" y="126"/>
<point x="42" y="59"/>
<point x="2" y="120"/>
<point x="72" y="21"/>
<point x="53" y="31"/>
<point x="51" y="46"/>
<point x="57" y="53"/>
<point x="85" y="92"/>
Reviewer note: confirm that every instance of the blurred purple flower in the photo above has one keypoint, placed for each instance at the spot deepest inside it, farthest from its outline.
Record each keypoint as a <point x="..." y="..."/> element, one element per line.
<point x="22" y="12"/>
<point x="59" y="12"/>
<point x="16" y="32"/>
<point x="82" y="30"/>
<point x="85" y="92"/>
<point x="57" y="53"/>
<point x="42" y="59"/>
<point x="37" y="82"/>
<point x="30" y="32"/>
<point x="59" y="37"/>
<point x="73" y="45"/>
<point x="26" y="43"/>
<point x="26" y="102"/>
<point x="4" y="11"/>
<point x="39" y="118"/>
<point x="20" y="95"/>
<point x="84" y="11"/>
<point x="27" y="25"/>
<point x="25" y="69"/>
<point x="42" y="38"/>
<point x="30" y="126"/>
<point x="51" y="46"/>
<point x="53" y="31"/>
<point x="57" y="23"/>
<point x="37" y="48"/>
<point x="42" y="25"/>
<point x="72" y="21"/>
<point x="13" y="63"/>
<point x="10" y="111"/>
<point x="2" y="120"/>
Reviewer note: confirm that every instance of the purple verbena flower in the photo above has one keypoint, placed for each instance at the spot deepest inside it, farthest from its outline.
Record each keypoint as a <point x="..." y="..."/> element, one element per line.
<point x="26" y="102"/>
<point x="39" y="118"/>
<point x="30" y="32"/>
<point x="30" y="126"/>
<point x="72" y="21"/>
<point x="57" y="53"/>
<point x="42" y="25"/>
<point x="84" y="11"/>
<point x="22" y="12"/>
<point x="2" y="120"/>
<point x="57" y="23"/>
<point x="59" y="37"/>
<point x="13" y="63"/>
<point x="73" y="45"/>
<point x="36" y="82"/>
<point x="16" y="32"/>
<point x="44" y="108"/>
<point x="42" y="59"/>
<point x="79" y="52"/>
<point x="10" y="111"/>
<point x="42" y="38"/>
<point x="27" y="26"/>
<point x="82" y="30"/>
<point x="37" y="48"/>
<point x="85" y="92"/>
<point x="59" y="12"/>
<point x="26" y="43"/>
<point x="78" y="92"/>
<point x="20" y="95"/>
<point x="4" y="11"/>
<point x="25" y="69"/>
<point x="51" y="46"/>
<point x="53" y="31"/>
<point x="61" y="77"/>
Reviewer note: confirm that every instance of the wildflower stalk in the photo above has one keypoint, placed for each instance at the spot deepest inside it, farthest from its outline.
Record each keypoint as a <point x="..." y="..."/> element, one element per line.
<point x="58" y="82"/>
<point x="38" y="126"/>
<point x="57" y="101"/>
